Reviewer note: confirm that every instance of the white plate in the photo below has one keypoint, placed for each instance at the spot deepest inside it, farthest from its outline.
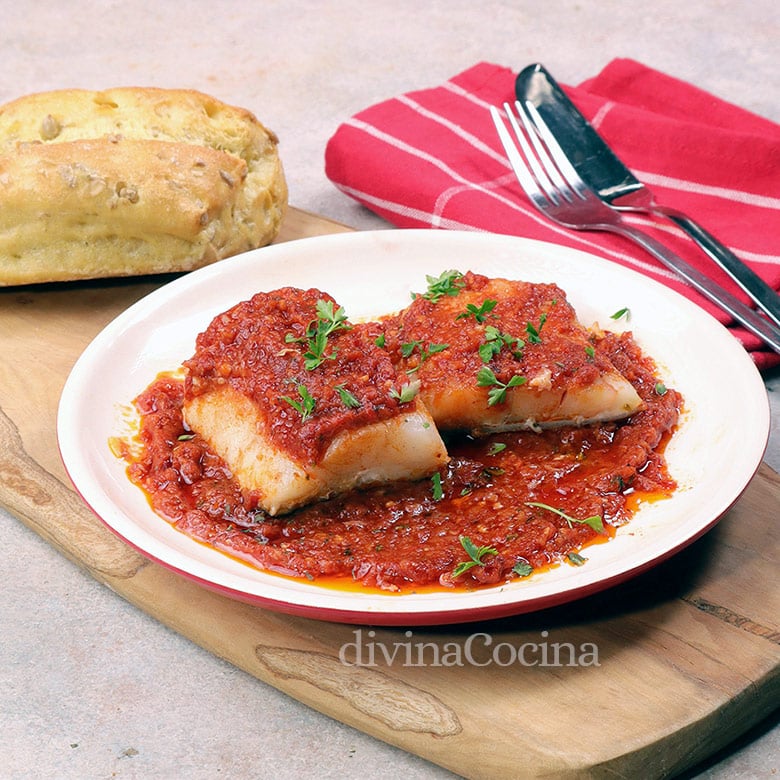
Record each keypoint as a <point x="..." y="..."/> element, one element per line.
<point x="713" y="456"/>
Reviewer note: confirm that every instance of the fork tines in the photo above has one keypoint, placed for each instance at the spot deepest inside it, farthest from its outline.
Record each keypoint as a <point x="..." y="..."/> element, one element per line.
<point x="543" y="171"/>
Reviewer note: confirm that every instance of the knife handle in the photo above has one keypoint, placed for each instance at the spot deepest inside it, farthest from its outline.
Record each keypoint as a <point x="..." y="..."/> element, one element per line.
<point x="745" y="277"/>
<point x="767" y="331"/>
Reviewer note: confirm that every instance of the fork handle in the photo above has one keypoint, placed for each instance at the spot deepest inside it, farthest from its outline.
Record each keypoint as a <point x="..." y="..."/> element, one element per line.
<point x="750" y="319"/>
<point x="745" y="277"/>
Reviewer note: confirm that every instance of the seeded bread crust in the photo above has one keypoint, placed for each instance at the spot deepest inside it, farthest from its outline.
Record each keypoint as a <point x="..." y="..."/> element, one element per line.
<point x="132" y="181"/>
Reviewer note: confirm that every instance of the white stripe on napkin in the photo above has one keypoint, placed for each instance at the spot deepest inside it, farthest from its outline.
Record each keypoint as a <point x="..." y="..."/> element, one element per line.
<point x="738" y="196"/>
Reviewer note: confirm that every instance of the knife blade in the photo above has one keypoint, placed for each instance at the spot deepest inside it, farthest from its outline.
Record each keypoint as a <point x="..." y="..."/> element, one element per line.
<point x="616" y="185"/>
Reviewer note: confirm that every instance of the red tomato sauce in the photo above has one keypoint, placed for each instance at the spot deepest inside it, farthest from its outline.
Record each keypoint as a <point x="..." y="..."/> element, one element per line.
<point x="408" y="535"/>
<point x="247" y="347"/>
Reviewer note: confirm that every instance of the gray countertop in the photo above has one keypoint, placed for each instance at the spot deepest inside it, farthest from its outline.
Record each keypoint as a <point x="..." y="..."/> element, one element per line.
<point x="90" y="687"/>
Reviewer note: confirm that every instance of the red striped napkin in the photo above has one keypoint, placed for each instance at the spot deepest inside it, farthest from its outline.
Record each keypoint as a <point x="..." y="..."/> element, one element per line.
<point x="432" y="158"/>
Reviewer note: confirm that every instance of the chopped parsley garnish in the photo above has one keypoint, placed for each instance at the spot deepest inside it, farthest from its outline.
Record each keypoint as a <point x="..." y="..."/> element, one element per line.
<point x="329" y="320"/>
<point x="522" y="568"/>
<point x="576" y="558"/>
<point x="479" y="313"/>
<point x="380" y="340"/>
<point x="534" y="332"/>
<point x="407" y="392"/>
<point x="495" y="340"/>
<point x="304" y="407"/>
<point x="594" y="521"/>
<point x="590" y="352"/>
<point x="476" y="555"/>
<point x="447" y="283"/>
<point x="436" y="489"/>
<point x="496" y="447"/>
<point x="408" y="348"/>
<point x="498" y="389"/>
<point x="432" y="349"/>
<point x="347" y="398"/>
<point x="660" y="388"/>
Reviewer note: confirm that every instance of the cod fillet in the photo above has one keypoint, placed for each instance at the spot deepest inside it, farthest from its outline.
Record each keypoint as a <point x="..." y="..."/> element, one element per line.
<point x="301" y="404"/>
<point x="494" y="354"/>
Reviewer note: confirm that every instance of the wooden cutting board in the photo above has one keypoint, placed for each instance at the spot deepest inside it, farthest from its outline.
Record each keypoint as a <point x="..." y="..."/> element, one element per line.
<point x="688" y="654"/>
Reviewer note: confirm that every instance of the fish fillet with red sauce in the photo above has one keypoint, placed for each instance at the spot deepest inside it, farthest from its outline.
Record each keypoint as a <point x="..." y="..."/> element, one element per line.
<point x="302" y="405"/>
<point x="494" y="354"/>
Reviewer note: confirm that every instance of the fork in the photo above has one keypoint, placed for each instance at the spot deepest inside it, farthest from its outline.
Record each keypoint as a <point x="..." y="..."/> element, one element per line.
<point x="557" y="191"/>
<point x="618" y="187"/>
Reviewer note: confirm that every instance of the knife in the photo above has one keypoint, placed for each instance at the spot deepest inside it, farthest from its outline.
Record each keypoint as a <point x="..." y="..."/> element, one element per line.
<point x="600" y="168"/>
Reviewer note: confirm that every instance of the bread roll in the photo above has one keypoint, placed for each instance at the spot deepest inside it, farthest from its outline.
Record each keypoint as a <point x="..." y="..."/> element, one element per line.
<point x="131" y="181"/>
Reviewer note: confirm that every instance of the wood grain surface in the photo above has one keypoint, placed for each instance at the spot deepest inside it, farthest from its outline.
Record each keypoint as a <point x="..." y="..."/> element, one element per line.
<point x="687" y="654"/>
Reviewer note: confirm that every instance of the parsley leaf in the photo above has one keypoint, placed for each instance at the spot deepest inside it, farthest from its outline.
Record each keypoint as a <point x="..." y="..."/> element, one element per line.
<point x="534" y="332"/>
<point x="594" y="521"/>
<point x="407" y="392"/>
<point x="488" y="349"/>
<point x="495" y="340"/>
<point x="479" y="313"/>
<point x="437" y="490"/>
<point x="522" y="568"/>
<point x="498" y="389"/>
<point x="408" y="348"/>
<point x="328" y="321"/>
<point x="433" y="349"/>
<point x="304" y="407"/>
<point x="476" y="554"/>
<point x="347" y="398"/>
<point x="447" y="283"/>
